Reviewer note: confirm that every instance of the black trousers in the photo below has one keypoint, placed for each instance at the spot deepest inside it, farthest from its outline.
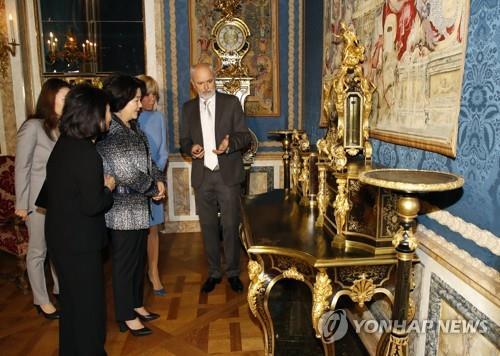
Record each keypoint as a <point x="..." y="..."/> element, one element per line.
<point x="82" y="327"/>
<point x="128" y="251"/>
<point x="211" y="196"/>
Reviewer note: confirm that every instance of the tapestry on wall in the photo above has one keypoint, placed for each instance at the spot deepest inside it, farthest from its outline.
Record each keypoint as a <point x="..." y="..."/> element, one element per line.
<point x="415" y="55"/>
<point x="262" y="59"/>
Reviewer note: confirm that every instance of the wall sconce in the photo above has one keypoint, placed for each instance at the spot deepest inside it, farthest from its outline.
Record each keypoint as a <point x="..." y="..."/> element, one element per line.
<point x="10" y="45"/>
<point x="7" y="46"/>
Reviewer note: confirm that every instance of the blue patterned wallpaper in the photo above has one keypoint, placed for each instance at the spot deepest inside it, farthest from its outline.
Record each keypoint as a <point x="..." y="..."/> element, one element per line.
<point x="478" y="151"/>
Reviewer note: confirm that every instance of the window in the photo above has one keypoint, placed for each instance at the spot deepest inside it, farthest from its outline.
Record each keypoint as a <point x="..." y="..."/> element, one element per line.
<point x="92" y="36"/>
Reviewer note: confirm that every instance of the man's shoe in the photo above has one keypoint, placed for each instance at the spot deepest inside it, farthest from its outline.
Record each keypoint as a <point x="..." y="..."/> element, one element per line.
<point x="235" y="284"/>
<point x="209" y="284"/>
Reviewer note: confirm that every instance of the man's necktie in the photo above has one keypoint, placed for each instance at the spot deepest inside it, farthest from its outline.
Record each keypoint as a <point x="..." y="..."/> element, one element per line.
<point x="211" y="160"/>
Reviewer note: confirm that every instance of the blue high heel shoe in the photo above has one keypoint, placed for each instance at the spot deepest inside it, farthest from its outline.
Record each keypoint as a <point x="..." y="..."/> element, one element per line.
<point x="160" y="292"/>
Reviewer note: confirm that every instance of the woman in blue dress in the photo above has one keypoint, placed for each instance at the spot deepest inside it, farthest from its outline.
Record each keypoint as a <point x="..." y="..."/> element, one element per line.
<point x="152" y="123"/>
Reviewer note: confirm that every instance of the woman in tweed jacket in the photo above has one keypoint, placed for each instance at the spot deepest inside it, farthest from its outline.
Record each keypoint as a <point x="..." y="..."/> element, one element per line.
<point x="126" y="156"/>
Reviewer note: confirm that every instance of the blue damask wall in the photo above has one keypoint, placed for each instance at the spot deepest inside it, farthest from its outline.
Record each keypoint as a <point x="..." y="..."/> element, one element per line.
<point x="478" y="151"/>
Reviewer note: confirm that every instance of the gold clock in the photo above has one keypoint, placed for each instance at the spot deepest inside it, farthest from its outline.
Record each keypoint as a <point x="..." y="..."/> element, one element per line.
<point x="230" y="44"/>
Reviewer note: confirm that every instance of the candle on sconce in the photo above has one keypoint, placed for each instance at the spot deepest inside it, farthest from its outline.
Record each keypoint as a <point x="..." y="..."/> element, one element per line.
<point x="11" y="27"/>
<point x="95" y="50"/>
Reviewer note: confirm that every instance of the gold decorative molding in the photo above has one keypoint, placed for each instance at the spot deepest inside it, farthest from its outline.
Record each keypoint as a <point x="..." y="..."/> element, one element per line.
<point x="292" y="273"/>
<point x="322" y="292"/>
<point x="473" y="262"/>
<point x="400" y="236"/>
<point x="291" y="63"/>
<point x="484" y="279"/>
<point x="362" y="291"/>
<point x="174" y="70"/>
<point x="411" y="309"/>
<point x="6" y="91"/>
<point x="256" y="280"/>
<point x="301" y="62"/>
<point x="483" y="238"/>
<point x="367" y="178"/>
<point x="160" y="53"/>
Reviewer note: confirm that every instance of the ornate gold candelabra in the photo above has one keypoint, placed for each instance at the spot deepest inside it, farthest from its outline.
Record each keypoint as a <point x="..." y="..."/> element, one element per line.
<point x="286" y="140"/>
<point x="410" y="182"/>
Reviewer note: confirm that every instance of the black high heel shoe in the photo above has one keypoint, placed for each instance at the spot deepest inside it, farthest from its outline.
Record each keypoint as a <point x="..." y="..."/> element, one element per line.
<point x="139" y="332"/>
<point x="149" y="317"/>
<point x="51" y="316"/>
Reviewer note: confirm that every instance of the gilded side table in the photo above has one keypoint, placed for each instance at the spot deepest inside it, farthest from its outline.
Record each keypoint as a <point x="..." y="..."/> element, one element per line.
<point x="409" y="183"/>
<point x="285" y="245"/>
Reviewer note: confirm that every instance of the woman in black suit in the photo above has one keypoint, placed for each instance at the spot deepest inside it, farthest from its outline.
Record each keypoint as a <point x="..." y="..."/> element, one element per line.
<point x="76" y="195"/>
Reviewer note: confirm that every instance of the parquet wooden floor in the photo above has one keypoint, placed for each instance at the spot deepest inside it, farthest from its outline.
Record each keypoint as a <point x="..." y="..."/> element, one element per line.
<point x="191" y="323"/>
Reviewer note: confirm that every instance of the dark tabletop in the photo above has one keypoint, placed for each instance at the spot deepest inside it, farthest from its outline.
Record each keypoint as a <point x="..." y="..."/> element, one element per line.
<point x="278" y="224"/>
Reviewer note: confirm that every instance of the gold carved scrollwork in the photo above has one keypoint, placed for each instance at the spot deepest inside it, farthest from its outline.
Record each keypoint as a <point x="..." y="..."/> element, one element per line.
<point x="411" y="309"/>
<point x="232" y="86"/>
<point x="256" y="282"/>
<point x="292" y="273"/>
<point x="349" y="80"/>
<point x="331" y="151"/>
<point x="402" y="235"/>
<point x="322" y="292"/>
<point x="362" y="291"/>
<point x="304" y="144"/>
<point x="229" y="8"/>
<point x="398" y="345"/>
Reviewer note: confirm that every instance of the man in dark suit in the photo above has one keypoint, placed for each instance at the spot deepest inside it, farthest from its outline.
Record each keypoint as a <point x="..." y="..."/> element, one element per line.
<point x="213" y="133"/>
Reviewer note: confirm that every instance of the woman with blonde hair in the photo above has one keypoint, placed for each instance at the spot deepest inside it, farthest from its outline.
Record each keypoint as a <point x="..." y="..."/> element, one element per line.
<point x="152" y="123"/>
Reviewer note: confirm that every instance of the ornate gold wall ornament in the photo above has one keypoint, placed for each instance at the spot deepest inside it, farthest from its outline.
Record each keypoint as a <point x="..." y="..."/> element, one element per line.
<point x="229" y="8"/>
<point x="256" y="281"/>
<point x="342" y="207"/>
<point x="323" y="194"/>
<point x="362" y="291"/>
<point x="322" y="292"/>
<point x="232" y="86"/>
<point x="292" y="273"/>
